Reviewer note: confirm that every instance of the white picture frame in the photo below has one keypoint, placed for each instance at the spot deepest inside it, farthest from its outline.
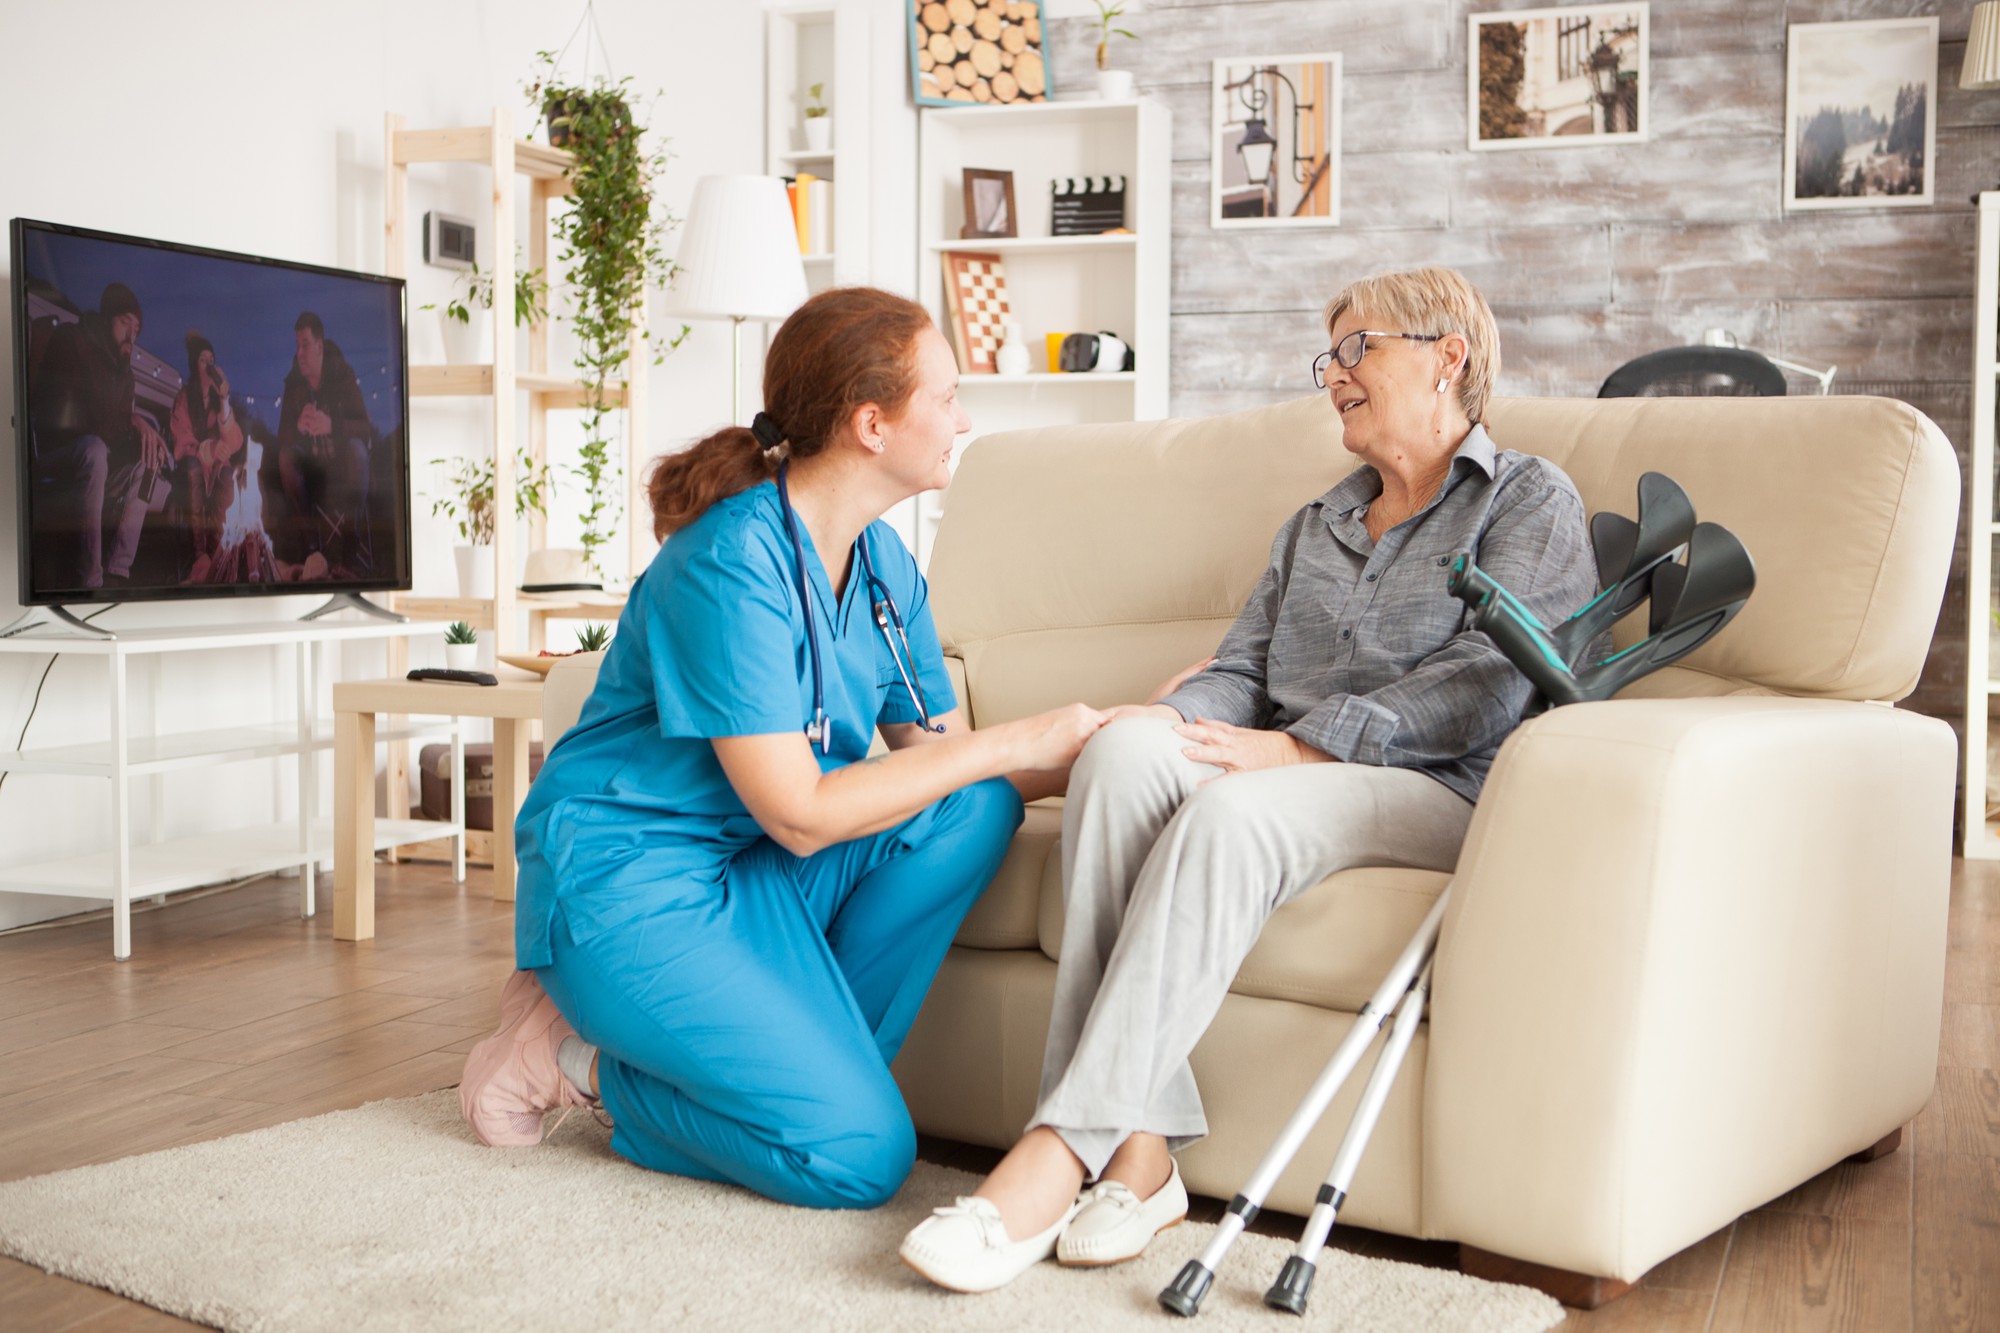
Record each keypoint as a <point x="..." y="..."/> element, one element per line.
<point x="1556" y="96"/>
<point x="1838" y="69"/>
<point x="1296" y="100"/>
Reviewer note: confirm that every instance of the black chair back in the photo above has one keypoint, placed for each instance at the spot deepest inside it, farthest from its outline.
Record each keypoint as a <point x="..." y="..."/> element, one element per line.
<point x="1695" y="372"/>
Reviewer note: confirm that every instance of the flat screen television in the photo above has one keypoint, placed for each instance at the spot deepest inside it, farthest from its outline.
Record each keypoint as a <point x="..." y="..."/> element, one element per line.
<point x="193" y="423"/>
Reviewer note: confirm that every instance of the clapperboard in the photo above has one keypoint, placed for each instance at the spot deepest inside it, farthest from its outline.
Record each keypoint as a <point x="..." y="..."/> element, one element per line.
<point x="1086" y="205"/>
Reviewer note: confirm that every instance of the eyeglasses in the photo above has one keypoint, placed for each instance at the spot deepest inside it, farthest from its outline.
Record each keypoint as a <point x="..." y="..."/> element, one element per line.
<point x="1354" y="346"/>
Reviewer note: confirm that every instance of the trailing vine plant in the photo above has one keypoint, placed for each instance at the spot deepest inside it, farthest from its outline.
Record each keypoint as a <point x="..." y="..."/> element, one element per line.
<point x="611" y="256"/>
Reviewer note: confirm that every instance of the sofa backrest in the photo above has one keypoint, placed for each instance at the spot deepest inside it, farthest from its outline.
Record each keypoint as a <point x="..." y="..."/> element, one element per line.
<point x="1090" y="561"/>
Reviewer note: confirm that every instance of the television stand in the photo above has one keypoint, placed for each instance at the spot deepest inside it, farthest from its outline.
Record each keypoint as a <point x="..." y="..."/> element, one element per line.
<point x="354" y="601"/>
<point x="78" y="625"/>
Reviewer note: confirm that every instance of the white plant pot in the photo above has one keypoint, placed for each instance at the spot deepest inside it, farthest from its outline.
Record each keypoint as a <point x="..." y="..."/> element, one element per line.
<point x="1114" y="85"/>
<point x="467" y="344"/>
<point x="819" y="134"/>
<point x="475" y="572"/>
<point x="461" y="656"/>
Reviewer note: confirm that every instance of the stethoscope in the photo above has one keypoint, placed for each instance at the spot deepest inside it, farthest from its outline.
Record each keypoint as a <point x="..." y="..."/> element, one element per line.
<point x="887" y="619"/>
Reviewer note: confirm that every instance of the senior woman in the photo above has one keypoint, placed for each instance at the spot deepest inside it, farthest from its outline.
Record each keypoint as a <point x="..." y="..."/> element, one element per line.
<point x="1347" y="719"/>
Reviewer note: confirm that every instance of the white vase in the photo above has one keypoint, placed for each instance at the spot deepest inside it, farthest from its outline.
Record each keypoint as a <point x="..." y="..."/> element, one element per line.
<point x="468" y="344"/>
<point x="1012" y="356"/>
<point x="475" y="572"/>
<point x="461" y="656"/>
<point x="819" y="134"/>
<point x="1114" y="85"/>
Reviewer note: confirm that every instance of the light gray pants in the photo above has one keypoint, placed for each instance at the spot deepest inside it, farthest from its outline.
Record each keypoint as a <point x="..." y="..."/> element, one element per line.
<point x="1166" y="884"/>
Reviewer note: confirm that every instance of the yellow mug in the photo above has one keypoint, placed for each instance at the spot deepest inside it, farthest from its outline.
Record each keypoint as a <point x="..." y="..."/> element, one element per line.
<point x="1055" y="341"/>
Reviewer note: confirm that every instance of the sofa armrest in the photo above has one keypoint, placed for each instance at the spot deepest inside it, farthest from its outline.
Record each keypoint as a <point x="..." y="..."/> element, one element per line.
<point x="1694" y="956"/>
<point x="564" y="690"/>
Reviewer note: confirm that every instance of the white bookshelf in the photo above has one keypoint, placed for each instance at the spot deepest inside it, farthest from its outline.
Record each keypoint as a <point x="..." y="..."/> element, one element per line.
<point x="1055" y="284"/>
<point x="1982" y="835"/>
<point x="807" y="44"/>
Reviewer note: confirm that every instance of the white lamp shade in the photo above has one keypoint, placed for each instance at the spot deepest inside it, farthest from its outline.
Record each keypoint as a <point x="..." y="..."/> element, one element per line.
<point x="739" y="252"/>
<point x="1981" y="69"/>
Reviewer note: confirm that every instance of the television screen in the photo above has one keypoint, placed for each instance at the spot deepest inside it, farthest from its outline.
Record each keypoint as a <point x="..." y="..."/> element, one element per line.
<point x="192" y="423"/>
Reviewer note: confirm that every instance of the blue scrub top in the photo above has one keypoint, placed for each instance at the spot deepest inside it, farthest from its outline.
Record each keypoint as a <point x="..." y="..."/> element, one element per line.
<point x="632" y="804"/>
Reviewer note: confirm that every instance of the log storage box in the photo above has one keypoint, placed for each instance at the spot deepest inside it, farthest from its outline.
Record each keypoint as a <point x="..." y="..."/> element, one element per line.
<point x="435" y="762"/>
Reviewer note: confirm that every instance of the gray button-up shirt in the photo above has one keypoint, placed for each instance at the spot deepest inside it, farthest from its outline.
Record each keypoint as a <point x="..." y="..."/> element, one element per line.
<point x="1355" y="647"/>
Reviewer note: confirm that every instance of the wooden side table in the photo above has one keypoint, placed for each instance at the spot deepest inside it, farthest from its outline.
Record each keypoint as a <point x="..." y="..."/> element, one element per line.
<point x="513" y="705"/>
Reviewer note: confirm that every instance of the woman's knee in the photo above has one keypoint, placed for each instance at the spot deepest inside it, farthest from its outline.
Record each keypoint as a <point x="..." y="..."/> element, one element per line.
<point x="863" y="1164"/>
<point x="1132" y="748"/>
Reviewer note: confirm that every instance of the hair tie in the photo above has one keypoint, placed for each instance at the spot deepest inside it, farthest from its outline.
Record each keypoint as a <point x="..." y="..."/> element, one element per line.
<point x="768" y="432"/>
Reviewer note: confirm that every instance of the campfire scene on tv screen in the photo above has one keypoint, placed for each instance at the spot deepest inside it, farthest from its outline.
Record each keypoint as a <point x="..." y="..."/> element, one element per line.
<point x="198" y="422"/>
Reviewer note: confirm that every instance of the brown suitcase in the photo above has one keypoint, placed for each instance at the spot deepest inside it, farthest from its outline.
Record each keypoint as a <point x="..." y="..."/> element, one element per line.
<point x="435" y="761"/>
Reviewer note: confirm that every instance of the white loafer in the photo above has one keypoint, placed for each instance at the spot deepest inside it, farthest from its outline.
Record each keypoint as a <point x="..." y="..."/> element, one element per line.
<point x="965" y="1247"/>
<point x="1112" y="1224"/>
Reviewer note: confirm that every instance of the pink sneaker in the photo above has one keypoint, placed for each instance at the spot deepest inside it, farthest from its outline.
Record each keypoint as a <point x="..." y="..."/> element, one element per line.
<point x="511" y="1079"/>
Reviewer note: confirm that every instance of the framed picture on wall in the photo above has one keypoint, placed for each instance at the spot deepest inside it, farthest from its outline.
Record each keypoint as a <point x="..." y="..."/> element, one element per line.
<point x="1860" y="113"/>
<point x="1557" y="78"/>
<point x="972" y="51"/>
<point x="1274" y="143"/>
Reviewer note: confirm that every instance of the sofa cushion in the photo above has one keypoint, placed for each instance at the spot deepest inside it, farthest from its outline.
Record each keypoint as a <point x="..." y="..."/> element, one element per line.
<point x="1329" y="947"/>
<point x="1090" y="561"/>
<point x="1007" y="915"/>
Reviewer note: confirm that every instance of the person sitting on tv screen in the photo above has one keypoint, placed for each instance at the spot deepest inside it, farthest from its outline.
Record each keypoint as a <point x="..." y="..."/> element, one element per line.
<point x="324" y="439"/>
<point x="207" y="439"/>
<point x="90" y="439"/>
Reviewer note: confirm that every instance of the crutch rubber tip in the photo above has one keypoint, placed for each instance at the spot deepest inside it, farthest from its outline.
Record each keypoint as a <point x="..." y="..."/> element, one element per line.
<point x="1183" y="1295"/>
<point x="1294" y="1284"/>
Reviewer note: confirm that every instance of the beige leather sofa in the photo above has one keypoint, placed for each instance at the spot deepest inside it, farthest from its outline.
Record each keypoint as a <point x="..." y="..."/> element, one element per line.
<point x="1696" y="951"/>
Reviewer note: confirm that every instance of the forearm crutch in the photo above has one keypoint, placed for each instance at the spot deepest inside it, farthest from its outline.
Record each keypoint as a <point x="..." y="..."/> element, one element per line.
<point x="1294" y="1282"/>
<point x="1183" y="1295"/>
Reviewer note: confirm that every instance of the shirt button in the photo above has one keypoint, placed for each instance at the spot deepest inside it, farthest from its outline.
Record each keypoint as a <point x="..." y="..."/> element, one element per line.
<point x="1345" y="633"/>
<point x="1371" y="578"/>
<point x="1444" y="560"/>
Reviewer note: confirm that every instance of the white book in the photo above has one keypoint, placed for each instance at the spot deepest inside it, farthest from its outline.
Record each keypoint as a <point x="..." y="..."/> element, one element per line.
<point x="820" y="217"/>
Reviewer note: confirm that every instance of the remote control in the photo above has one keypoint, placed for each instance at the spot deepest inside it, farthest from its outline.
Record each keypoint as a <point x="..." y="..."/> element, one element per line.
<point x="451" y="677"/>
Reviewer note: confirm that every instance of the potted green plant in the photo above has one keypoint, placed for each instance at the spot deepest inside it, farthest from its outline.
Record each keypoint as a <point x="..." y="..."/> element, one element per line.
<point x="461" y="646"/>
<point x="593" y="638"/>
<point x="470" y="504"/>
<point x="819" y="121"/>
<point x="611" y="238"/>
<point x="1112" y="84"/>
<point x="465" y="340"/>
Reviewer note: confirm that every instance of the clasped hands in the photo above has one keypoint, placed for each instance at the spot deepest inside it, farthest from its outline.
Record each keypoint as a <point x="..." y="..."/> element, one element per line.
<point x="1230" y="748"/>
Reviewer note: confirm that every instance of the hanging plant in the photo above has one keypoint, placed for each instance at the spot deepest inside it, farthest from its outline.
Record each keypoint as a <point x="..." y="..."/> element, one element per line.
<point x="611" y="256"/>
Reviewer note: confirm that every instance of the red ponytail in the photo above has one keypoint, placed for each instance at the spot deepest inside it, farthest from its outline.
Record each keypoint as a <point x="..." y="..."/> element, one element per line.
<point x="840" y="350"/>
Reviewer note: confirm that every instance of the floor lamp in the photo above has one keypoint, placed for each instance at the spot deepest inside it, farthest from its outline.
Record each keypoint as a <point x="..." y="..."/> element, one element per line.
<point x="739" y="258"/>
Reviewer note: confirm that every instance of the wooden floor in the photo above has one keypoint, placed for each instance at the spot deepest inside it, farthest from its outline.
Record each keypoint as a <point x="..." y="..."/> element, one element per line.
<point x="234" y="1014"/>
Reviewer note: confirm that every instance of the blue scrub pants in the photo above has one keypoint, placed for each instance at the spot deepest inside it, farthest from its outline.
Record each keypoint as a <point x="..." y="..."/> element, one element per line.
<point x="746" y="1025"/>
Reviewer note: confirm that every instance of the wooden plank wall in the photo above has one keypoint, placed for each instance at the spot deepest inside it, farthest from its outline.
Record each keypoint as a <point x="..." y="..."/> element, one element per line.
<point x="1588" y="256"/>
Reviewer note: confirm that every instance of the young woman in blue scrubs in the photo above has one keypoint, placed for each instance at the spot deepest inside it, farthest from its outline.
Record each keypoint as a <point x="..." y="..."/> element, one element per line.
<point x="725" y="926"/>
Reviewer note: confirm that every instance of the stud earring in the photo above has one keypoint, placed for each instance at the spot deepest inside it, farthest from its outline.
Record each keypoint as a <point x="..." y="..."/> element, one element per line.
<point x="1443" y="383"/>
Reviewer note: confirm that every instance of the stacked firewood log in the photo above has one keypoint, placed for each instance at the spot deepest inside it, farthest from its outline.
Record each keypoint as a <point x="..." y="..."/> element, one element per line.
<point x="981" y="51"/>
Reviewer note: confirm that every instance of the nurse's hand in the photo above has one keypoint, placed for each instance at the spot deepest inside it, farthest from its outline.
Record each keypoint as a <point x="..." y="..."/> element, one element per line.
<point x="1052" y="740"/>
<point x="1246" y="749"/>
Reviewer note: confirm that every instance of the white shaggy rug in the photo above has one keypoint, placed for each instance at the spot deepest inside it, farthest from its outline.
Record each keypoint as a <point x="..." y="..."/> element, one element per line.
<point x="392" y="1217"/>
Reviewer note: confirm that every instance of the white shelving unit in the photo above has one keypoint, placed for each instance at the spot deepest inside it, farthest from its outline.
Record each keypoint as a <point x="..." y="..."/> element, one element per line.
<point x="820" y="43"/>
<point x="129" y="869"/>
<point x="1982" y="834"/>
<point x="1055" y="284"/>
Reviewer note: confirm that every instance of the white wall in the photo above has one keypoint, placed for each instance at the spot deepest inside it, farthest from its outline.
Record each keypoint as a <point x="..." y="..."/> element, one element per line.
<point x="110" y="102"/>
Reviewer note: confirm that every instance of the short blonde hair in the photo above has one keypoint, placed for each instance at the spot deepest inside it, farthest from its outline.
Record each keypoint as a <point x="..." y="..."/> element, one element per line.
<point x="1431" y="300"/>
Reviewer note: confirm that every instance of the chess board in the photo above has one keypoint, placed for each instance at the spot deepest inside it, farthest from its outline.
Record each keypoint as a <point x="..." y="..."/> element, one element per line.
<point x="975" y="293"/>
